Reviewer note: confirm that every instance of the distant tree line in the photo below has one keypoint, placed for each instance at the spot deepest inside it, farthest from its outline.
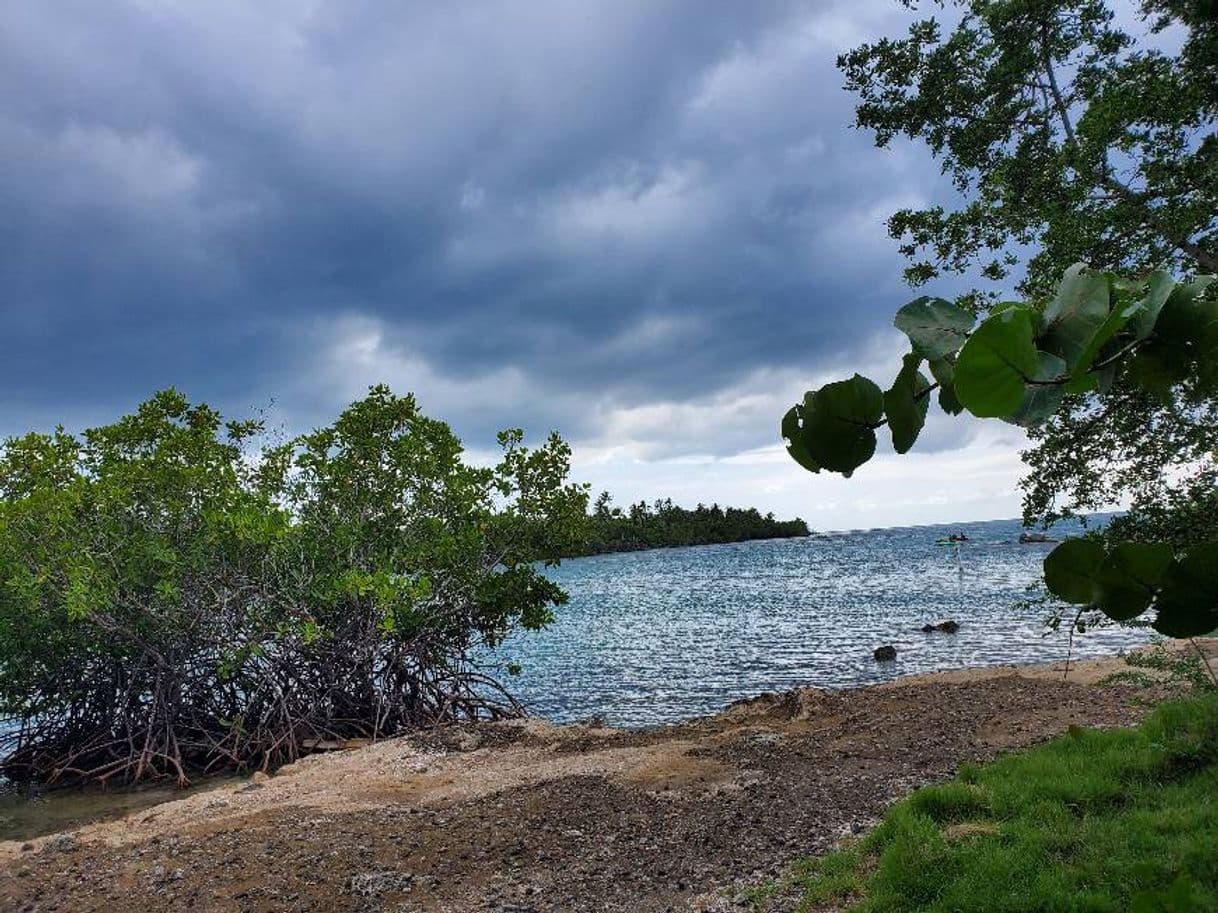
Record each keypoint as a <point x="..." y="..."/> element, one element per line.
<point x="664" y="524"/>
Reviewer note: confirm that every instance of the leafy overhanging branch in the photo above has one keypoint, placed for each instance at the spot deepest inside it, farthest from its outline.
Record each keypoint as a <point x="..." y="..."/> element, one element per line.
<point x="1018" y="364"/>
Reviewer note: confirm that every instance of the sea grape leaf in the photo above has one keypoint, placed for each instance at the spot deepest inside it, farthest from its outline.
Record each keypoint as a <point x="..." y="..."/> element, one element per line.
<point x="1158" y="288"/>
<point x="1116" y="320"/>
<point x="1041" y="400"/>
<point x="949" y="402"/>
<point x="1104" y="378"/>
<point x="839" y="422"/>
<point x="1187" y="318"/>
<point x="906" y="402"/>
<point x="943" y="370"/>
<point x="1185" y="335"/>
<point x="935" y="327"/>
<point x="1188" y="601"/>
<point x="997" y="363"/>
<point x="1156" y="369"/>
<point x="1076" y="315"/>
<point x="1082" y="383"/>
<point x="1003" y="306"/>
<point x="1129" y="577"/>
<point x="793" y="432"/>
<point x="1071" y="569"/>
<point x="1075" y="292"/>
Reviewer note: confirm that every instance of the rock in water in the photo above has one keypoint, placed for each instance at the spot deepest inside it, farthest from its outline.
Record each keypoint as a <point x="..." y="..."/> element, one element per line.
<point x="885" y="654"/>
<point x="947" y="627"/>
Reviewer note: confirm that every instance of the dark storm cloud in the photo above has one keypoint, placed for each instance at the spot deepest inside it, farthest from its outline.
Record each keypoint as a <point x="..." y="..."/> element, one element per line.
<point x="548" y="210"/>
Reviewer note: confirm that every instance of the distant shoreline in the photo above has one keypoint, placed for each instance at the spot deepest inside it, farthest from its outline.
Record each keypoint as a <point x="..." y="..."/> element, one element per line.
<point x="635" y="549"/>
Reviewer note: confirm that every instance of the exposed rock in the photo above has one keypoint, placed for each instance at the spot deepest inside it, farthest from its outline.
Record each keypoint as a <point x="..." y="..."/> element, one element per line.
<point x="947" y="626"/>
<point x="61" y="843"/>
<point x="885" y="654"/>
<point x="369" y="884"/>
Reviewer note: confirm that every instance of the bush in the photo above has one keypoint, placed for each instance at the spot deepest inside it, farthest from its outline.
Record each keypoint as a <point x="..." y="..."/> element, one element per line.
<point x="175" y="599"/>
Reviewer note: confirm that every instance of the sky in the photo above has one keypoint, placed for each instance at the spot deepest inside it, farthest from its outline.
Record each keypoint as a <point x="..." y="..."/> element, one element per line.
<point x="646" y="225"/>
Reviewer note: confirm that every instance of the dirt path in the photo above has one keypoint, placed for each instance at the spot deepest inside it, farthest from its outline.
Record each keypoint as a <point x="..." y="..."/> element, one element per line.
<point x="527" y="817"/>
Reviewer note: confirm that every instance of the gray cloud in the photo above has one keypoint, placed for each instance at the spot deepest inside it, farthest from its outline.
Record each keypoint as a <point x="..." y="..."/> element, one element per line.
<point x="549" y="214"/>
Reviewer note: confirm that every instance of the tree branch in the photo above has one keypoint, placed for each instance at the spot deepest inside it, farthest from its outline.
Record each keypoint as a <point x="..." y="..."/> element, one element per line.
<point x="1204" y="258"/>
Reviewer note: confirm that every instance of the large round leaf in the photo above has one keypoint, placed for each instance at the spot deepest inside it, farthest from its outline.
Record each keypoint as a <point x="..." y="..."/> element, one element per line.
<point x="949" y="402"/>
<point x="839" y="422"/>
<point x="1120" y="315"/>
<point x="1185" y="336"/>
<point x="906" y="403"/>
<point x="1157" y="368"/>
<point x="944" y="372"/>
<point x="1158" y="288"/>
<point x="793" y="432"/>
<point x="1076" y="315"/>
<point x="998" y="362"/>
<point x="934" y="326"/>
<point x="1128" y="578"/>
<point x="1071" y="570"/>
<point x="1040" y="400"/>
<point x="1186" y="314"/>
<point x="1188" y="600"/>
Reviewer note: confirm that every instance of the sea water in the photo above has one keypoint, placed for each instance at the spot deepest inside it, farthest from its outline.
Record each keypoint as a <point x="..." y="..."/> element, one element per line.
<point x="659" y="636"/>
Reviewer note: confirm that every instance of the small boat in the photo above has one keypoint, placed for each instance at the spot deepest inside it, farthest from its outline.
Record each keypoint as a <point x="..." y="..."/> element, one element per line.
<point x="953" y="539"/>
<point x="1032" y="538"/>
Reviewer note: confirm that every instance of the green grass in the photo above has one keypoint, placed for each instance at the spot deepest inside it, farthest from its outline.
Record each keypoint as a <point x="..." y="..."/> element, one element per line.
<point x="1122" y="821"/>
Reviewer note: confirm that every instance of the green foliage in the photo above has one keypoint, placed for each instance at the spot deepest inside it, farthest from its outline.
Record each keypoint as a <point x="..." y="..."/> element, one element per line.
<point x="836" y="424"/>
<point x="1073" y="135"/>
<point x="1134" y="576"/>
<point x="1188" y="598"/>
<point x="1098" y="820"/>
<point x="1071" y="568"/>
<point x="1000" y="367"/>
<point x="664" y="525"/>
<point x="1069" y="135"/>
<point x="174" y="598"/>
<point x="1019" y="364"/>
<point x="1128" y="577"/>
<point x="937" y="328"/>
<point x="906" y="404"/>
<point x="1161" y="664"/>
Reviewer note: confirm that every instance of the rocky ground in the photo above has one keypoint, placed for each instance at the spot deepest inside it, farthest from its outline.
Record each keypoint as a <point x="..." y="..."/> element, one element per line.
<point x="525" y="817"/>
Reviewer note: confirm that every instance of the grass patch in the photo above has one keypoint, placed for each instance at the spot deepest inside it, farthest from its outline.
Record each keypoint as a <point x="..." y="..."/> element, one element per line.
<point x="1122" y="821"/>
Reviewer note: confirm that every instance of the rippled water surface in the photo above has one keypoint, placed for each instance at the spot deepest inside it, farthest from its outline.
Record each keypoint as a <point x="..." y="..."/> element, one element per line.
<point x="664" y="635"/>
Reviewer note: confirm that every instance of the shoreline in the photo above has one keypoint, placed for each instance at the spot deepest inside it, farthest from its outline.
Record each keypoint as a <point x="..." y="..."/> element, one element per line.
<point x="660" y="548"/>
<point x="529" y="815"/>
<point x="128" y="808"/>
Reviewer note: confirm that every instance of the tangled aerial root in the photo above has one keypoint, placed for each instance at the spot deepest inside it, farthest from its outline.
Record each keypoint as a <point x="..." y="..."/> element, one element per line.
<point x="174" y="726"/>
